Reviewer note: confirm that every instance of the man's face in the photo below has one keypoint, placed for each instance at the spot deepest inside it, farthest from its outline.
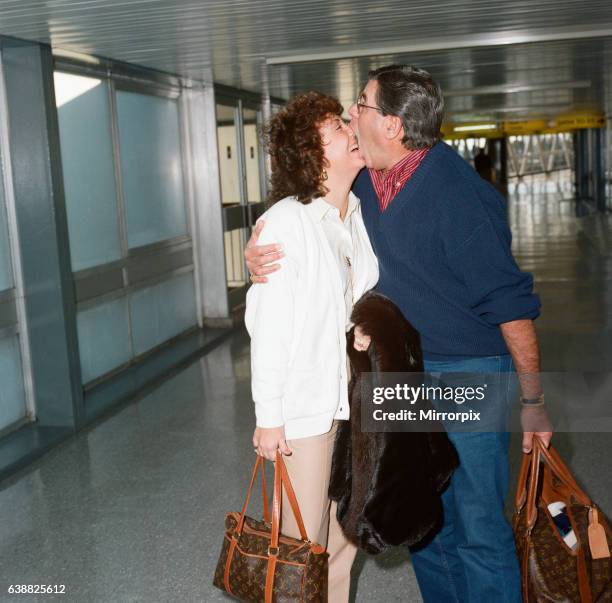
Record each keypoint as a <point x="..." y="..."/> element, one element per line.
<point x="367" y="123"/>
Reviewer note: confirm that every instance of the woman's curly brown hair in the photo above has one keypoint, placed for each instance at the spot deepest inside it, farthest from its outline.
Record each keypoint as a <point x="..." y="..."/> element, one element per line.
<point x="292" y="138"/>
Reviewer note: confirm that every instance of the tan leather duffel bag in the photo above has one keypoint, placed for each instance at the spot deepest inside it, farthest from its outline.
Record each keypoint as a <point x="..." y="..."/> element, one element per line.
<point x="575" y="568"/>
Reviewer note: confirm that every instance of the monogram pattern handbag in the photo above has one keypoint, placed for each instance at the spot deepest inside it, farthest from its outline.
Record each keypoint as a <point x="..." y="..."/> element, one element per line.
<point x="259" y="565"/>
<point x="552" y="570"/>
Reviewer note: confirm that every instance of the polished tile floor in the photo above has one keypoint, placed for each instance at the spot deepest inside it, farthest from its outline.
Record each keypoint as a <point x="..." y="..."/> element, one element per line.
<point x="132" y="509"/>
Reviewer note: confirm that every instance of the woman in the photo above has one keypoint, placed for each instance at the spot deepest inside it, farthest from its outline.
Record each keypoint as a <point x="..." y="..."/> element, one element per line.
<point x="298" y="320"/>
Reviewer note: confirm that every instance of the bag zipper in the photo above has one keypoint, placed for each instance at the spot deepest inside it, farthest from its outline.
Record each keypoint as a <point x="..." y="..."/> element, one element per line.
<point x="284" y="539"/>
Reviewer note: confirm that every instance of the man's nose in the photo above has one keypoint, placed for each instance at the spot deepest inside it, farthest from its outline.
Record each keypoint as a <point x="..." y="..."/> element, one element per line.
<point x="353" y="111"/>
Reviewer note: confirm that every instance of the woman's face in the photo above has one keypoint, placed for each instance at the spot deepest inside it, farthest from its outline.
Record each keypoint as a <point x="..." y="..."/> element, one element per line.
<point x="340" y="147"/>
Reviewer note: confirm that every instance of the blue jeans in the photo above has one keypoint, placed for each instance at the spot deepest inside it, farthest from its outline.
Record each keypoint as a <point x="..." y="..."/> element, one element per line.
<point x="473" y="558"/>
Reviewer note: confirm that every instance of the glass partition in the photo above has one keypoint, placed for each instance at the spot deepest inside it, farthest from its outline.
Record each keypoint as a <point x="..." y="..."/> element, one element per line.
<point x="230" y="170"/>
<point x="6" y="269"/>
<point x="151" y="168"/>
<point x="252" y="153"/>
<point x="126" y="205"/>
<point x="83" y="109"/>
<point x="229" y="166"/>
<point x="539" y="153"/>
<point x="13" y="402"/>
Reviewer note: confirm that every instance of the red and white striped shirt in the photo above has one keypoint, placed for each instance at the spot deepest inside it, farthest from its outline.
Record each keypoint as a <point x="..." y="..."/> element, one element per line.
<point x="388" y="183"/>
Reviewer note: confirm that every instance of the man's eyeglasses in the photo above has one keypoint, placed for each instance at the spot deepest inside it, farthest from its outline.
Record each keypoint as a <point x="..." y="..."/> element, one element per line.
<point x="361" y="106"/>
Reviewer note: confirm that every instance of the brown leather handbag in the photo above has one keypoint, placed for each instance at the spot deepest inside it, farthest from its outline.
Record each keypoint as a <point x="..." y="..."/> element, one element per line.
<point x="552" y="571"/>
<point x="259" y="565"/>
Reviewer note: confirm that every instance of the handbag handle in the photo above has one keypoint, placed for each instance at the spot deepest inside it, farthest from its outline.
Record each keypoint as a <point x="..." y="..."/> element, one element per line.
<point x="281" y="477"/>
<point x="259" y="463"/>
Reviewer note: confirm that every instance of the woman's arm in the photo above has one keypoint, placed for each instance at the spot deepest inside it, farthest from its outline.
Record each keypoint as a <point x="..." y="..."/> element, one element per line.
<point x="269" y="319"/>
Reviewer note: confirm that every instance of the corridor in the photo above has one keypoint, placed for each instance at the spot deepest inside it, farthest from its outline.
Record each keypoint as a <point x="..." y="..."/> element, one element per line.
<point x="131" y="509"/>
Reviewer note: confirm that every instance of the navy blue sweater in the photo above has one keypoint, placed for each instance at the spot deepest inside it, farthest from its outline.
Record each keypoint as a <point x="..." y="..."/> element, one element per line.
<point x="444" y="252"/>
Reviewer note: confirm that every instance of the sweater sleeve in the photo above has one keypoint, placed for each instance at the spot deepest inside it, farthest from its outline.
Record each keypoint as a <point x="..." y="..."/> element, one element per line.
<point x="498" y="291"/>
<point x="269" y="318"/>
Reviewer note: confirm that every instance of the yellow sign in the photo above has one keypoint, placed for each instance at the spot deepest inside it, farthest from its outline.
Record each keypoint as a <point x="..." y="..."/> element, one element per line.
<point x="579" y="121"/>
<point x="530" y="126"/>
<point x="563" y="123"/>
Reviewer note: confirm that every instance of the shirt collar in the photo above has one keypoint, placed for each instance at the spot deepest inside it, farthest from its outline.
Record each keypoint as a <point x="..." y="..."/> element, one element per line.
<point x="320" y="207"/>
<point x="404" y="163"/>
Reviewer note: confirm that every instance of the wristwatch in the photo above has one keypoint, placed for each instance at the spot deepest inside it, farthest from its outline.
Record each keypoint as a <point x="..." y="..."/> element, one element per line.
<point x="539" y="401"/>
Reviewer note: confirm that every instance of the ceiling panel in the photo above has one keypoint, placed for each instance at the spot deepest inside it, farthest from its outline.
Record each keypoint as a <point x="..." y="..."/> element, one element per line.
<point x="514" y="81"/>
<point x="230" y="40"/>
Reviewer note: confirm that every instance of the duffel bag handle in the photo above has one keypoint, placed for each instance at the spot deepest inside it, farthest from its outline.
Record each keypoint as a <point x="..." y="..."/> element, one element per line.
<point x="527" y="487"/>
<point x="561" y="470"/>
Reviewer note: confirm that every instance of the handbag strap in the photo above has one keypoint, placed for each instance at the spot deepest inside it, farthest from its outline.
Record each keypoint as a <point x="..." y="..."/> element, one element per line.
<point x="281" y="477"/>
<point x="264" y="494"/>
<point x="259" y="463"/>
<point x="293" y="501"/>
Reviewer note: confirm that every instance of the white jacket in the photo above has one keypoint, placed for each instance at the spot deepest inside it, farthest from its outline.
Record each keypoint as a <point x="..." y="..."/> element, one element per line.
<point x="297" y="322"/>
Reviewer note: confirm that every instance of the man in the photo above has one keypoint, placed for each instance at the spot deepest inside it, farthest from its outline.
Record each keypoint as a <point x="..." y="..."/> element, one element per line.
<point x="443" y="245"/>
<point x="483" y="165"/>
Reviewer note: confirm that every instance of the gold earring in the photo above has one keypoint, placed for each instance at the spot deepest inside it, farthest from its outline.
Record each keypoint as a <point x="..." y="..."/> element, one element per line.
<point x="324" y="175"/>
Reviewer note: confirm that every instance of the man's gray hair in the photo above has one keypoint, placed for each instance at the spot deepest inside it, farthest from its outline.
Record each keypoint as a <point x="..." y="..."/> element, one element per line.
<point x="412" y="95"/>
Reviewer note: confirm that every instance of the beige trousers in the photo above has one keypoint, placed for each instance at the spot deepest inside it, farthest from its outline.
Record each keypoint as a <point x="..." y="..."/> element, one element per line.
<point x="309" y="468"/>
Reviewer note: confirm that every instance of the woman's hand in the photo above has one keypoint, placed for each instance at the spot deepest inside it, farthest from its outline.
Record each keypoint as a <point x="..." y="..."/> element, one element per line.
<point x="267" y="440"/>
<point x="361" y="341"/>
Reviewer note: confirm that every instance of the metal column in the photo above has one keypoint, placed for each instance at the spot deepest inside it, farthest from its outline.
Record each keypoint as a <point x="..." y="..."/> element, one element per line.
<point x="43" y="233"/>
<point x="589" y="167"/>
<point x="207" y="211"/>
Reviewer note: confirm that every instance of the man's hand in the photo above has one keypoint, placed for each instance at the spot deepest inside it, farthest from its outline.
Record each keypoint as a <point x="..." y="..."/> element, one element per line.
<point x="267" y="441"/>
<point x="361" y="341"/>
<point x="260" y="258"/>
<point x="522" y="341"/>
<point x="535" y="421"/>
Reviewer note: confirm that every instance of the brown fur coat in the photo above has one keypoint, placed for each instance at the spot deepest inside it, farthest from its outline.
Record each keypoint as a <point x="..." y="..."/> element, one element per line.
<point x="387" y="485"/>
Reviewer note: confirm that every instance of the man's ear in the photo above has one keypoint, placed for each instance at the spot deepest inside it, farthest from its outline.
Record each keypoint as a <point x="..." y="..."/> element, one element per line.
<point x="393" y="127"/>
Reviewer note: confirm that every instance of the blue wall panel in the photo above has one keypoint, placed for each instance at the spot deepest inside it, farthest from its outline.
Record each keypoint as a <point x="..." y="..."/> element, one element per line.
<point x="12" y="395"/>
<point x="104" y="339"/>
<point x="151" y="168"/>
<point x="162" y="311"/>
